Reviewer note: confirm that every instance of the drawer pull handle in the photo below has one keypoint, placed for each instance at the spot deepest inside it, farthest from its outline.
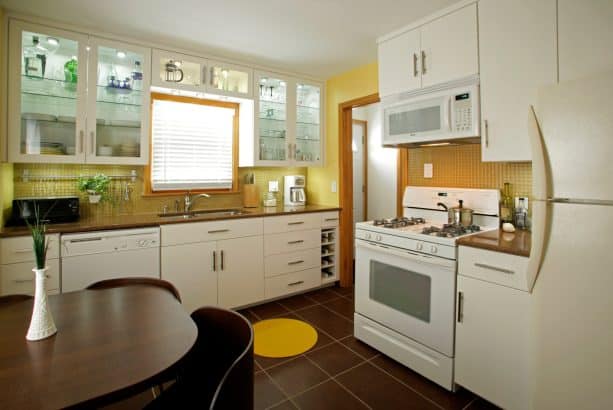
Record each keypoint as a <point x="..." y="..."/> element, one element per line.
<point x="85" y="240"/>
<point x="28" y="280"/>
<point x="295" y="223"/>
<point x="331" y="219"/>
<point x="295" y="262"/>
<point x="495" y="268"/>
<point x="219" y="231"/>
<point x="295" y="242"/>
<point x="295" y="283"/>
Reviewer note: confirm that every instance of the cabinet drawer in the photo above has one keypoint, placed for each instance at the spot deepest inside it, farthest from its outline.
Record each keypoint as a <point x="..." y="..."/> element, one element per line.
<point x="292" y="261"/>
<point x="329" y="219"/>
<point x="210" y="231"/>
<point x="18" y="278"/>
<point x="289" y="223"/>
<point x="496" y="267"/>
<point x="292" y="282"/>
<point x="19" y="249"/>
<point x="291" y="241"/>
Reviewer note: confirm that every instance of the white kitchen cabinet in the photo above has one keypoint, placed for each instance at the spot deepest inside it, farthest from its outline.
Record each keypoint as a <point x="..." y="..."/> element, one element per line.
<point x="178" y="71"/>
<point x="288" y="122"/>
<point x="400" y="63"/>
<point x="240" y="271"/>
<point x="492" y="354"/>
<point x="75" y="98"/>
<point x="441" y="50"/>
<point x="584" y="37"/>
<point x="511" y="72"/>
<point x="449" y="47"/>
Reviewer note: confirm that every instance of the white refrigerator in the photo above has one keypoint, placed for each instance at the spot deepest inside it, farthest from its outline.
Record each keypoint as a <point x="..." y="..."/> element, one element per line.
<point x="572" y="244"/>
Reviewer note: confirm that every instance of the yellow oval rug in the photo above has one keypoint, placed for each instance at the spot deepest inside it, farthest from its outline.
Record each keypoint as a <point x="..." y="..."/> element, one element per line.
<point x="283" y="337"/>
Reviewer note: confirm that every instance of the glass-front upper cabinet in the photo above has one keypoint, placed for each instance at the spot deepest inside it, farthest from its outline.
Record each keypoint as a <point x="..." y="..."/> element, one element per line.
<point x="229" y="79"/>
<point x="46" y="91"/>
<point x="180" y="71"/>
<point x="118" y="103"/>
<point x="307" y="149"/>
<point x="271" y="120"/>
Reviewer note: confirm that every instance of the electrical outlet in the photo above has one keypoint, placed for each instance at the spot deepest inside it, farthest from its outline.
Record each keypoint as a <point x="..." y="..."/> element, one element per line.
<point x="427" y="170"/>
<point x="273" y="186"/>
<point x="333" y="186"/>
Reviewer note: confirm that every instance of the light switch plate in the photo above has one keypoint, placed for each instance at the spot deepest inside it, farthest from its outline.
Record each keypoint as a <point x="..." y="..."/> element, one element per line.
<point x="333" y="186"/>
<point x="273" y="186"/>
<point x="427" y="170"/>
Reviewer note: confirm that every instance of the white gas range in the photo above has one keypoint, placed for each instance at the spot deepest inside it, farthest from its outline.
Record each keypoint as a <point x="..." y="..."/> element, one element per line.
<point x="405" y="280"/>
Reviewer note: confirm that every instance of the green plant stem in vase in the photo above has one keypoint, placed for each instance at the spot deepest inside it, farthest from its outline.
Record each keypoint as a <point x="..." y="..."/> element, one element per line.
<point x="41" y="324"/>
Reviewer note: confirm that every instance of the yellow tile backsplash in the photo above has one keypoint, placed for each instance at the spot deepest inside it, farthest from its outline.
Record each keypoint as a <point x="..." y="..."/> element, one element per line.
<point x="42" y="184"/>
<point x="460" y="166"/>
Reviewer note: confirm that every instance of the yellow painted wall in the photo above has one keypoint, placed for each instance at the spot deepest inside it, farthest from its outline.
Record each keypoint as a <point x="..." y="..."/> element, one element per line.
<point x="352" y="84"/>
<point x="6" y="170"/>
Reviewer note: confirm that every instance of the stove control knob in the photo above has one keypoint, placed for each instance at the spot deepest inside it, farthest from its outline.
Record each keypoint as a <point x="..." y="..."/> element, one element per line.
<point x="419" y="246"/>
<point x="368" y="236"/>
<point x="433" y="249"/>
<point x="378" y="237"/>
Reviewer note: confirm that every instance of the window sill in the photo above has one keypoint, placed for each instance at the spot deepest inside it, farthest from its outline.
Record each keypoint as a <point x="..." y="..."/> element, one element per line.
<point x="183" y="192"/>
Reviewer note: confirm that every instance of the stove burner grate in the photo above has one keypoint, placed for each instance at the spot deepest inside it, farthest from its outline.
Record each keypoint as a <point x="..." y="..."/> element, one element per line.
<point x="398" y="222"/>
<point x="450" y="230"/>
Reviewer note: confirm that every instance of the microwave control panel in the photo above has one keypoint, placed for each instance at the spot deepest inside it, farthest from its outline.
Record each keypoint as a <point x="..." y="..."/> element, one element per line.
<point x="462" y="111"/>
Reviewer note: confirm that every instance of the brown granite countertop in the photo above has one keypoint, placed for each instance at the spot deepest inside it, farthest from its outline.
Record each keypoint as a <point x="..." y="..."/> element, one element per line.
<point x="101" y="223"/>
<point x="515" y="243"/>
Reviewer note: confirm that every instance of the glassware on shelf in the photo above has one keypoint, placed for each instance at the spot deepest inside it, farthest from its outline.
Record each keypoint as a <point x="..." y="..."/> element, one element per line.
<point x="137" y="76"/>
<point x="35" y="58"/>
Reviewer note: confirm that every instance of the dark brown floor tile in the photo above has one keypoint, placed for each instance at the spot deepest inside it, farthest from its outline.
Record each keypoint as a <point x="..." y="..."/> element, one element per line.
<point x="381" y="391"/>
<point x="331" y="323"/>
<point x="286" y="405"/>
<point x="297" y="302"/>
<point x="322" y="295"/>
<point x="268" y="310"/>
<point x="268" y="362"/>
<point x="433" y="391"/>
<point x="359" y="347"/>
<point x="343" y="291"/>
<point x="265" y="392"/>
<point x="297" y="375"/>
<point x="482" y="404"/>
<point x="342" y="306"/>
<point x="335" y="358"/>
<point x="137" y="401"/>
<point x="250" y="316"/>
<point x="329" y="395"/>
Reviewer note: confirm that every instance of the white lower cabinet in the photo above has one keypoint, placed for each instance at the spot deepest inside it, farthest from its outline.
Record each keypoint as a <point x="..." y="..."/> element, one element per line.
<point x="492" y="351"/>
<point x="240" y="271"/>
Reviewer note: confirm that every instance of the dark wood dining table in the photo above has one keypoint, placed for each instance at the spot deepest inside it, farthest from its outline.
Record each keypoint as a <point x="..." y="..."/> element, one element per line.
<point x="110" y="344"/>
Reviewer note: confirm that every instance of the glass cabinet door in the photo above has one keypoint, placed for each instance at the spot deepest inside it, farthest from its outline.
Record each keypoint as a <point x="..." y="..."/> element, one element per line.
<point x="47" y="72"/>
<point x="118" y="98"/>
<point x="272" y="119"/>
<point x="307" y="147"/>
<point x="229" y="79"/>
<point x="173" y="70"/>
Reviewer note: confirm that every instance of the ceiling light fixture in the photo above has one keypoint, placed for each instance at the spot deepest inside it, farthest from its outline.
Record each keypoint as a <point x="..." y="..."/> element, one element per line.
<point x="53" y="41"/>
<point x="121" y="54"/>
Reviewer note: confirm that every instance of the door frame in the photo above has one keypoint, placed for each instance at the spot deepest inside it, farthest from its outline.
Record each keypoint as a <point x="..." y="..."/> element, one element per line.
<point x="364" y="125"/>
<point x="345" y="156"/>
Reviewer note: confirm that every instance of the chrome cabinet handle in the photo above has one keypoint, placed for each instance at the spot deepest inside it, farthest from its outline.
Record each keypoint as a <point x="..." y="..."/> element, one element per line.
<point x="460" y="307"/>
<point x="219" y="231"/>
<point x="487" y="133"/>
<point x="415" y="72"/>
<point x="423" y="62"/>
<point x="494" y="268"/>
<point x="81" y="136"/>
<point x="221" y="252"/>
<point x="92" y="135"/>
<point x="289" y="151"/>
<point x="214" y="261"/>
<point x="295" y="242"/>
<point x="295" y="283"/>
<point x="295" y="223"/>
<point x="295" y="262"/>
<point x="331" y="219"/>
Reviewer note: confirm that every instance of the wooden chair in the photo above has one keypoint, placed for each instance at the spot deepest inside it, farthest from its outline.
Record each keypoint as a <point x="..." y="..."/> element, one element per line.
<point x="116" y="283"/>
<point x="10" y="299"/>
<point x="218" y="372"/>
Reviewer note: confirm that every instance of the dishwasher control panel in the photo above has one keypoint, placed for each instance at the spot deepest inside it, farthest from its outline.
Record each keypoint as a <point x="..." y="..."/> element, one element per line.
<point x="109" y="241"/>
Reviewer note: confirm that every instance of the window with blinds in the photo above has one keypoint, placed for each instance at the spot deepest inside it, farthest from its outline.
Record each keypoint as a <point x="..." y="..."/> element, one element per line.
<point x="192" y="144"/>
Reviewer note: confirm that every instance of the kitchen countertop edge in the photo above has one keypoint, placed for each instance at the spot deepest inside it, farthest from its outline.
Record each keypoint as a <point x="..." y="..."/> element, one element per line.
<point x="105" y="223"/>
<point x="514" y="243"/>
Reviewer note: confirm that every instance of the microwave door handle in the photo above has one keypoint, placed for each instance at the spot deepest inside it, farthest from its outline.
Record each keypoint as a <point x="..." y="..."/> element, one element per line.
<point x="448" y="114"/>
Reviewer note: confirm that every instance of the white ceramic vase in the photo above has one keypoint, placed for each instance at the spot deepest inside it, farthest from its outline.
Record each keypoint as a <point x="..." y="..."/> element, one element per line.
<point x="41" y="324"/>
<point x="94" y="198"/>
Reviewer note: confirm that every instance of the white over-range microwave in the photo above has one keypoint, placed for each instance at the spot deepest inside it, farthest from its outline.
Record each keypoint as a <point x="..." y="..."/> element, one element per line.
<point x="435" y="116"/>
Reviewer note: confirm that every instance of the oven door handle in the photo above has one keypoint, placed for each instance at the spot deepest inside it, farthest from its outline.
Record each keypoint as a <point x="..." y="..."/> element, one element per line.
<point x="403" y="253"/>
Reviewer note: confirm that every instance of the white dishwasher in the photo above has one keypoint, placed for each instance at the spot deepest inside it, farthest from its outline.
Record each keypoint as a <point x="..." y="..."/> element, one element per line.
<point x="94" y="256"/>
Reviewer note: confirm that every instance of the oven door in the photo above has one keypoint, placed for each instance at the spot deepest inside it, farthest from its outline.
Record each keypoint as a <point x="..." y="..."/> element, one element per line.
<point x="410" y="293"/>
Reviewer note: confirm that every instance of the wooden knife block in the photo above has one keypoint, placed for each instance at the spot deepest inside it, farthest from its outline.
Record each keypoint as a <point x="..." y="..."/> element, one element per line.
<point x="251" y="198"/>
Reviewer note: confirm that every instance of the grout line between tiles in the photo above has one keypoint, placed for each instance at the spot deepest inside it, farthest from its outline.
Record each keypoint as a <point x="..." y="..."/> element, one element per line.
<point x="278" y="386"/>
<point x="470" y="403"/>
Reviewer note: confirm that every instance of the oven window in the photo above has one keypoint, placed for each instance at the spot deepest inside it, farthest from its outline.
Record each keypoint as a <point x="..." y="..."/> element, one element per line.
<point x="403" y="290"/>
<point x="418" y="120"/>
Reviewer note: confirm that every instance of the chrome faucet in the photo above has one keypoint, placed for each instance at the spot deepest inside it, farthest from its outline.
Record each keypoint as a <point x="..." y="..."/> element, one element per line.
<point x="190" y="199"/>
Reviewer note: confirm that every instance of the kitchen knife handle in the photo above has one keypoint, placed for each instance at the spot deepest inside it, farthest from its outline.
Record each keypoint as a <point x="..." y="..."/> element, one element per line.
<point x="460" y="307"/>
<point x="415" y="72"/>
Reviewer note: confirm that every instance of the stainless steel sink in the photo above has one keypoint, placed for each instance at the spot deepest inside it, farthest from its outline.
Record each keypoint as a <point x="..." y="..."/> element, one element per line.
<point x="204" y="213"/>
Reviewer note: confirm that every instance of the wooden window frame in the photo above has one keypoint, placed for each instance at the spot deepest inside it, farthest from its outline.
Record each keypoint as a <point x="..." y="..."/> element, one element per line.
<point x="148" y="191"/>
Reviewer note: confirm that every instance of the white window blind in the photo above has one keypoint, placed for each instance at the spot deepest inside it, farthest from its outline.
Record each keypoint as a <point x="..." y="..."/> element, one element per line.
<point x="191" y="146"/>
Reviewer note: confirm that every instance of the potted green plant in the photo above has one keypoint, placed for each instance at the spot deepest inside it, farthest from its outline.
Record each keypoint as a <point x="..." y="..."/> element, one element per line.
<point x="42" y="324"/>
<point x="96" y="187"/>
